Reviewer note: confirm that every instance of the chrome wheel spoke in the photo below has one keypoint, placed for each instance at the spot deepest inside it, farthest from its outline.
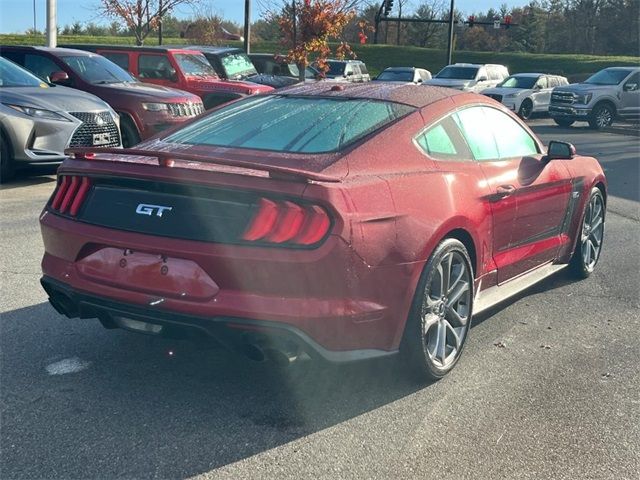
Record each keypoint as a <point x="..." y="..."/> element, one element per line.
<point x="442" y="342"/>
<point x="456" y="318"/>
<point x="456" y="294"/>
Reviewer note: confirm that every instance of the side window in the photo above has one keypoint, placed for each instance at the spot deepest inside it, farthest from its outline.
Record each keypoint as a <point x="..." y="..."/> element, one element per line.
<point x="363" y="69"/>
<point x="478" y="133"/>
<point x="120" y="59"/>
<point x="155" y="67"/>
<point x="443" y="141"/>
<point x="512" y="140"/>
<point x="43" y="67"/>
<point x="542" y="82"/>
<point x="632" y="80"/>
<point x="552" y="81"/>
<point x="494" y="74"/>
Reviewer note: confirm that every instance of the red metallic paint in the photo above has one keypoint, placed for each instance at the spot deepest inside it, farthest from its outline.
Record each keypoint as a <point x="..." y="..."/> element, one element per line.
<point x="390" y="210"/>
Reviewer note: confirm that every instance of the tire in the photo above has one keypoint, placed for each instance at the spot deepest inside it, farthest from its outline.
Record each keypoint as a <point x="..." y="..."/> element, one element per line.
<point x="526" y="109"/>
<point x="563" y="123"/>
<point x="591" y="235"/>
<point x="7" y="166"/>
<point x="436" y="316"/>
<point x="602" y="116"/>
<point x="130" y="134"/>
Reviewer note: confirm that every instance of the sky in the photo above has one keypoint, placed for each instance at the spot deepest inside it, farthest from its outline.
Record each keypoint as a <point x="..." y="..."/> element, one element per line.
<point x="17" y="15"/>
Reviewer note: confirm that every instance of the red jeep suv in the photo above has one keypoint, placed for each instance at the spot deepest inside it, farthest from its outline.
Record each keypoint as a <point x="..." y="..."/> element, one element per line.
<point x="144" y="109"/>
<point x="179" y="68"/>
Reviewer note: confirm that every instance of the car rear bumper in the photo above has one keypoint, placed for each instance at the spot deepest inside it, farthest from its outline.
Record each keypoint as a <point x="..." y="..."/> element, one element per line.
<point x="232" y="332"/>
<point x="328" y="298"/>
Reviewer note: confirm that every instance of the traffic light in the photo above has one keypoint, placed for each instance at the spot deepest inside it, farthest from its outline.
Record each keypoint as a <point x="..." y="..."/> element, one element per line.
<point x="388" y="5"/>
<point x="471" y="20"/>
<point x="507" y="21"/>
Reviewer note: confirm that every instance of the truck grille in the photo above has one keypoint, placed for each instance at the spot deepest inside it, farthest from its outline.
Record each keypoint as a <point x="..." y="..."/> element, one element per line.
<point x="93" y="123"/>
<point x="563" y="98"/>
<point x="188" y="109"/>
<point x="495" y="96"/>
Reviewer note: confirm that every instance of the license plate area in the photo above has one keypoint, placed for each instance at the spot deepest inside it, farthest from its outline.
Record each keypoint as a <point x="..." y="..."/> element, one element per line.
<point x="101" y="139"/>
<point x="155" y="274"/>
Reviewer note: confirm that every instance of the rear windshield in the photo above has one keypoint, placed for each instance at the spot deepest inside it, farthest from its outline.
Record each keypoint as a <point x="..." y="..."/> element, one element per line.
<point x="461" y="73"/>
<point x="291" y="124"/>
<point x="238" y="65"/>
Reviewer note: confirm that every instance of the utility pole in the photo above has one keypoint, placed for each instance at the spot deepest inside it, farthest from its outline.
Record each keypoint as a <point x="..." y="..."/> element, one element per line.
<point x="399" y="22"/>
<point x="34" y="17"/>
<point x="247" y="26"/>
<point x="450" y="36"/>
<point x="295" y="40"/>
<point x="52" y="23"/>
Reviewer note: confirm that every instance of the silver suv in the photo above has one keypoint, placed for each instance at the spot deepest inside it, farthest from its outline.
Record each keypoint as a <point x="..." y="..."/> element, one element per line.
<point x="610" y="94"/>
<point x="470" y="77"/>
<point x="353" y="71"/>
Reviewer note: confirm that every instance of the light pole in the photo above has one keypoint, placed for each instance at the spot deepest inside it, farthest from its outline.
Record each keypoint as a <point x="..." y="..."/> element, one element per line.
<point x="450" y="36"/>
<point x="247" y="25"/>
<point x="52" y="23"/>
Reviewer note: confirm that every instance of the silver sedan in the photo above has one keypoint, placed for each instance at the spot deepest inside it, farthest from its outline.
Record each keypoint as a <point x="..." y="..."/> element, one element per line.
<point x="39" y="121"/>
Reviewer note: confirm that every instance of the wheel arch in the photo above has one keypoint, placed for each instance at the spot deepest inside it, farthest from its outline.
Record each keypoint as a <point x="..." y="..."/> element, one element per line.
<point x="608" y="101"/>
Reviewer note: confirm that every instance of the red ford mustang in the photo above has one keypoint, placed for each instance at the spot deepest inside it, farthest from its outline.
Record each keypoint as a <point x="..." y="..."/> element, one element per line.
<point x="346" y="222"/>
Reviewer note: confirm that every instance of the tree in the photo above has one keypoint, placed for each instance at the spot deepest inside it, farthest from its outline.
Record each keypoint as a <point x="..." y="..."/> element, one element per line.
<point x="307" y="26"/>
<point x="422" y="33"/>
<point x="140" y="16"/>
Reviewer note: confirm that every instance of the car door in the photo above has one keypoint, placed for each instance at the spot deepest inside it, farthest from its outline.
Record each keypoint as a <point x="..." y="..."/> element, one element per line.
<point x="541" y="95"/>
<point x="630" y="98"/>
<point x="531" y="196"/>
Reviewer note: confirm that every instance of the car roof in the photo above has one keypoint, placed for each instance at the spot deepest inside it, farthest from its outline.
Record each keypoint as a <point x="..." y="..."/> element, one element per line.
<point x="529" y="74"/>
<point x="128" y="48"/>
<point x="57" y="51"/>
<point x="414" y="95"/>
<point x="343" y="61"/>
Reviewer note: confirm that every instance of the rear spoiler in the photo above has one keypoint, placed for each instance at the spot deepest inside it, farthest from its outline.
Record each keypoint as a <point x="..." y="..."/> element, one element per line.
<point x="166" y="159"/>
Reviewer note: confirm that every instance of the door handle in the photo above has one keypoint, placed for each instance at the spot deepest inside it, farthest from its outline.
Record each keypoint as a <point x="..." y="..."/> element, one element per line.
<point x="505" y="190"/>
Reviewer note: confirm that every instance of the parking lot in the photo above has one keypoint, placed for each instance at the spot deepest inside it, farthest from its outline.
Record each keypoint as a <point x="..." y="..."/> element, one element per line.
<point x="547" y="388"/>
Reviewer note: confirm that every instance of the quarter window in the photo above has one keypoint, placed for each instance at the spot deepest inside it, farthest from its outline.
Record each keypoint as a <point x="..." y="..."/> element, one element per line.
<point x="443" y="141"/>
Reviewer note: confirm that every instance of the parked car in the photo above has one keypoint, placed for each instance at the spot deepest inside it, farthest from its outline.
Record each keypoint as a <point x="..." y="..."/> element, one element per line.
<point x="353" y="71"/>
<point x="178" y="68"/>
<point x="277" y="65"/>
<point x="144" y="109"/>
<point x="38" y="121"/>
<point x="404" y="74"/>
<point x="526" y="93"/>
<point x="232" y="63"/>
<point x="609" y="95"/>
<point x="297" y="222"/>
<point x="470" y="77"/>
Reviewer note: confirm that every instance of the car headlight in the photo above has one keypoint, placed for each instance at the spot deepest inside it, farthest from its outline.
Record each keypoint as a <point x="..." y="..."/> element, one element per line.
<point x="155" y="107"/>
<point x="38" y="113"/>
<point x="511" y="95"/>
<point x="584" y="98"/>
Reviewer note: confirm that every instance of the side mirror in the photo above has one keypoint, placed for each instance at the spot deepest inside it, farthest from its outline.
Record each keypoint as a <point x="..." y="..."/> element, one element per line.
<point x="483" y="79"/>
<point x="560" y="151"/>
<point x="59" y="78"/>
<point x="419" y="80"/>
<point x="630" y="87"/>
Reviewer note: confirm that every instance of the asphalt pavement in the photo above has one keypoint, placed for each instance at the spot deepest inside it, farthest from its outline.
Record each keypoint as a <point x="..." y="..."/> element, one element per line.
<point x="548" y="386"/>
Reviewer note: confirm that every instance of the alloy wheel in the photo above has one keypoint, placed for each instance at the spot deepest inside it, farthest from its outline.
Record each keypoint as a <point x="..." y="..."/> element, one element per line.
<point x="604" y="117"/>
<point x="446" y="310"/>
<point x="592" y="232"/>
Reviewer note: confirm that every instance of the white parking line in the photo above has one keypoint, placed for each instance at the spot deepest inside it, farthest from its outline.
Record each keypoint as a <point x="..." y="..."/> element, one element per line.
<point x="68" y="365"/>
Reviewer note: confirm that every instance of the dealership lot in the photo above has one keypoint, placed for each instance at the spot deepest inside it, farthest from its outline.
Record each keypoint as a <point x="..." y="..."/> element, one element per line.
<point x="547" y="388"/>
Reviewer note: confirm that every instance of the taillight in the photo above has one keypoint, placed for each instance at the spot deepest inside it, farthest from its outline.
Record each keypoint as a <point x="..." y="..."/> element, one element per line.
<point x="286" y="222"/>
<point x="70" y="194"/>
